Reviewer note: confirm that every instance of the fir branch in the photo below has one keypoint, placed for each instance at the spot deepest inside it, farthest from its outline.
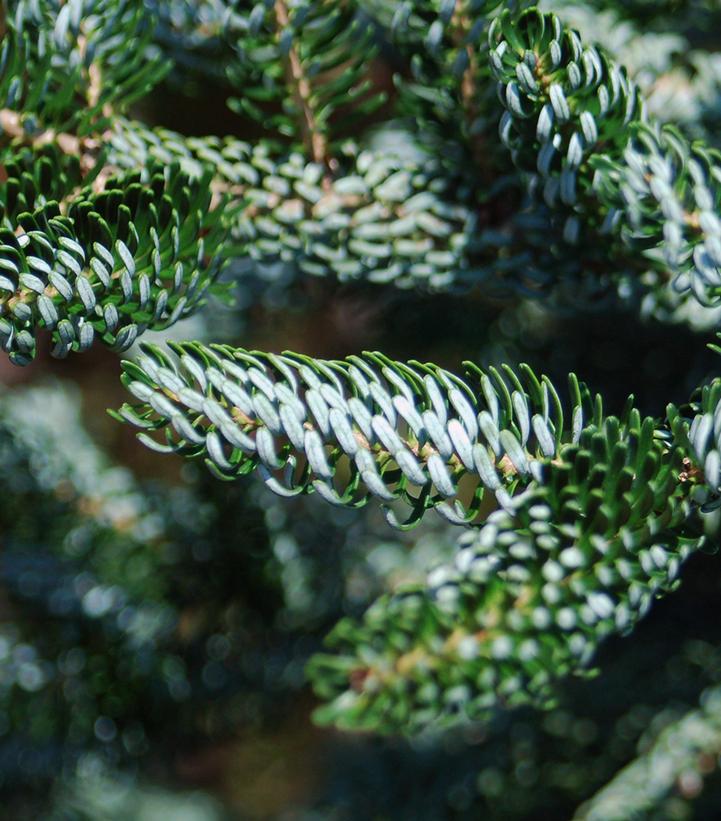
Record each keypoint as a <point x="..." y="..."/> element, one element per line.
<point x="113" y="263"/>
<point x="309" y="60"/>
<point x="388" y="216"/>
<point x="580" y="555"/>
<point x="444" y="46"/>
<point x="576" y="123"/>
<point x="52" y="60"/>
<point x="676" y="761"/>
<point x="355" y="429"/>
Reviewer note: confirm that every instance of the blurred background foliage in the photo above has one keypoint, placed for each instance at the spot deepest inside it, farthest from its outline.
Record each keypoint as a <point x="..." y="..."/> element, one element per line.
<point x="154" y="623"/>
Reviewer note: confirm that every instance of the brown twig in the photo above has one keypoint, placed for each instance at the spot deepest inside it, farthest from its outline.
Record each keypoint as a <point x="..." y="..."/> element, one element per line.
<point x="86" y="148"/>
<point x="12" y="127"/>
<point x="460" y="26"/>
<point x="94" y="75"/>
<point x="296" y="77"/>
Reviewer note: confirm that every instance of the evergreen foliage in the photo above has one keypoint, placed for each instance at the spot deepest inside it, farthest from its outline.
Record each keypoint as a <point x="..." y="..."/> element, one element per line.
<point x="528" y="597"/>
<point x="647" y="783"/>
<point x="85" y="252"/>
<point x="407" y="433"/>
<point x="474" y="148"/>
<point x="647" y="184"/>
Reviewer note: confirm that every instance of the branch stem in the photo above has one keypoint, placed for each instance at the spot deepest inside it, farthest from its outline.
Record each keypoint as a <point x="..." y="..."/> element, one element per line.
<point x="460" y="27"/>
<point x="86" y="148"/>
<point x="312" y="134"/>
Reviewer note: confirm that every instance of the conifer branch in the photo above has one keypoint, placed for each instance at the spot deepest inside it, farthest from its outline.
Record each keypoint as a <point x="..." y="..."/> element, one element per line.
<point x="576" y="123"/>
<point x="683" y="753"/>
<point x="567" y="522"/>
<point x="578" y="556"/>
<point x="355" y="429"/>
<point x="111" y="264"/>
